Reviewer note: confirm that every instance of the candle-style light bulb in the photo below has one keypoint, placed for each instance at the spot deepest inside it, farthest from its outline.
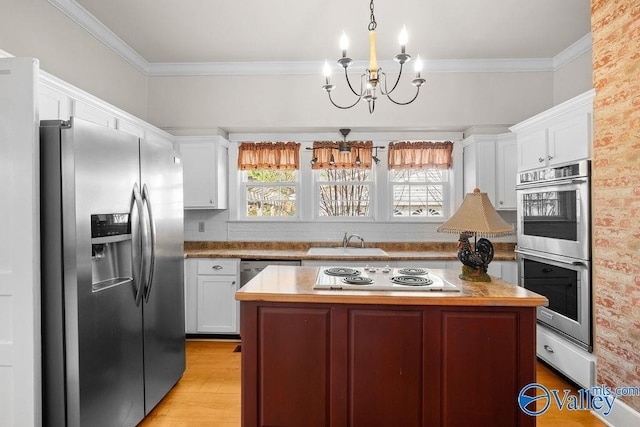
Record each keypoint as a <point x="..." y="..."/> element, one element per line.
<point x="344" y="44"/>
<point x="373" y="61"/>
<point x="417" y="66"/>
<point x="402" y="38"/>
<point x="326" y="70"/>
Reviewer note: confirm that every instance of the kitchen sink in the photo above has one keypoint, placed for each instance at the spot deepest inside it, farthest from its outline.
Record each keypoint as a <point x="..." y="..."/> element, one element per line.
<point x="346" y="252"/>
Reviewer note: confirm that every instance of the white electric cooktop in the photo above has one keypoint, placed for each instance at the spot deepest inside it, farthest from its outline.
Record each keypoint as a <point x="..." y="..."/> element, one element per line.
<point x="381" y="279"/>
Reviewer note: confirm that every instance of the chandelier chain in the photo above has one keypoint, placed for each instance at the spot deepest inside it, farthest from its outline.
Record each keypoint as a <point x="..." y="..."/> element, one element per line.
<point x="373" y="24"/>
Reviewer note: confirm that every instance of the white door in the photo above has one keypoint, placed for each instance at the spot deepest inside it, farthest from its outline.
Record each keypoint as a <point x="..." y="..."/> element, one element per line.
<point x="19" y="245"/>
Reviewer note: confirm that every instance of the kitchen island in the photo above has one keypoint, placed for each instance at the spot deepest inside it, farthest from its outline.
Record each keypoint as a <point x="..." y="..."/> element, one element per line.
<point x="382" y="358"/>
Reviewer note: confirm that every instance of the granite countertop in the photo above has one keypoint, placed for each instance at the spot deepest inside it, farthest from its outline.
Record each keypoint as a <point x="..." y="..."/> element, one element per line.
<point x="397" y="251"/>
<point x="278" y="283"/>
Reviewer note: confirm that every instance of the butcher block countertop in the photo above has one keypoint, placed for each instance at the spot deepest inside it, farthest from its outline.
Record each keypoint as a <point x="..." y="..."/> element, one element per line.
<point x="397" y="251"/>
<point x="278" y="283"/>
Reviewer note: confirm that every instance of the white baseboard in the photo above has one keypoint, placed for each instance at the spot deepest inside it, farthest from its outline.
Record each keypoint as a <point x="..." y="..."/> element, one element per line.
<point x="621" y="415"/>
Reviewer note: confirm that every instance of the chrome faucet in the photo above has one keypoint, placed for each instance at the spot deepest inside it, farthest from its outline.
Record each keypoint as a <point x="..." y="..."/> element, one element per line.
<point x="346" y="240"/>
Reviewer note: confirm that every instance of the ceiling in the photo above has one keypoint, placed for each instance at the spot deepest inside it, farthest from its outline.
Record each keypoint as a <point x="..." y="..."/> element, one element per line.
<point x="192" y="31"/>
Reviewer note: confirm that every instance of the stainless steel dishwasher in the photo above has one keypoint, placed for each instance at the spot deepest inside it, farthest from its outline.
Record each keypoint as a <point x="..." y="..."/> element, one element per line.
<point x="250" y="268"/>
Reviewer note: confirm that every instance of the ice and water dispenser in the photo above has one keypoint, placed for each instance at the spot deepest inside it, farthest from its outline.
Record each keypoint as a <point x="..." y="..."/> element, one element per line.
<point x="110" y="250"/>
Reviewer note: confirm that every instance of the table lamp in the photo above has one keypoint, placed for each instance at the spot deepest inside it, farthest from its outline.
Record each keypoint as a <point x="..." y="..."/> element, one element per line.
<point x="476" y="217"/>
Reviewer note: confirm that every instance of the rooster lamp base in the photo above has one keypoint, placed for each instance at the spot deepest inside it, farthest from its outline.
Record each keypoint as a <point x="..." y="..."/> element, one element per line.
<point x="475" y="260"/>
<point x="471" y="274"/>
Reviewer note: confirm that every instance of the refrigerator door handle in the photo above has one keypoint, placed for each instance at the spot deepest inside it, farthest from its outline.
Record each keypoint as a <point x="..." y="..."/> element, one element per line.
<point x="139" y="239"/>
<point x="152" y="231"/>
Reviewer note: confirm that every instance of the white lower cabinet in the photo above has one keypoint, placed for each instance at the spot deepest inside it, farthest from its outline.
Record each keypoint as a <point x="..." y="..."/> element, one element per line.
<point x="211" y="284"/>
<point x="573" y="361"/>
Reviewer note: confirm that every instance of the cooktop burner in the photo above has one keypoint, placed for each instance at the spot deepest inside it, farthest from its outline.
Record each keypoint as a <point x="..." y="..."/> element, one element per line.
<point x="341" y="271"/>
<point x="357" y="280"/>
<point x="381" y="279"/>
<point x="411" y="280"/>
<point x="413" y="271"/>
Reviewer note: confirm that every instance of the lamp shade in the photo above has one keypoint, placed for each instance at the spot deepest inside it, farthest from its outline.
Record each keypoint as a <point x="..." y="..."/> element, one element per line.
<point x="477" y="215"/>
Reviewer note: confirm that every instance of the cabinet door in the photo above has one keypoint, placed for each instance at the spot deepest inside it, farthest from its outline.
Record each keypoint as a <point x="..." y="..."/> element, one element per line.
<point x="569" y="140"/>
<point x="532" y="150"/>
<point x="217" y="307"/>
<point x="479" y="165"/>
<point x="198" y="166"/>
<point x="506" y="172"/>
<point x="386" y="354"/>
<point x="205" y="173"/>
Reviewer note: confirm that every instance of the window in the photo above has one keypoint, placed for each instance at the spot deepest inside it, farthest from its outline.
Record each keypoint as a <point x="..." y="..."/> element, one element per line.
<point x="344" y="192"/>
<point x="269" y="178"/>
<point x="419" y="193"/>
<point x="270" y="193"/>
<point x="419" y="178"/>
<point x="343" y="179"/>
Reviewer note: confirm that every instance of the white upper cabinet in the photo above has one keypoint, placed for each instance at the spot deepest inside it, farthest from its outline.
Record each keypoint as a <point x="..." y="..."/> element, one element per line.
<point x="557" y="136"/>
<point x="205" y="171"/>
<point x="489" y="164"/>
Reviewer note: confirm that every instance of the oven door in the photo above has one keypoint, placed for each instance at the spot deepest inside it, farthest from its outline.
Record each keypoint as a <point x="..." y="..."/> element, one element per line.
<point x="566" y="284"/>
<point x="555" y="218"/>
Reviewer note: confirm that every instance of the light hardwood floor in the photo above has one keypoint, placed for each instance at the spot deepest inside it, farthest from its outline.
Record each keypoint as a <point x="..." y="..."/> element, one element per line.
<point x="209" y="393"/>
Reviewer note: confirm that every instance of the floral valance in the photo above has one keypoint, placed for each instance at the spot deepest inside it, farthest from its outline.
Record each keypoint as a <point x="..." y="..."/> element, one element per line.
<point x="420" y="155"/>
<point x="269" y="155"/>
<point x="326" y="155"/>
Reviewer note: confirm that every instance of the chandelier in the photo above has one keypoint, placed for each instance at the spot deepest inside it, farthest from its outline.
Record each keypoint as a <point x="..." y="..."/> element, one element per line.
<point x="373" y="80"/>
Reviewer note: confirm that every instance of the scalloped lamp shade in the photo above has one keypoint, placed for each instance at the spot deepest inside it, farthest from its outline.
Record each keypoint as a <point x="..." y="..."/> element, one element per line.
<point x="477" y="215"/>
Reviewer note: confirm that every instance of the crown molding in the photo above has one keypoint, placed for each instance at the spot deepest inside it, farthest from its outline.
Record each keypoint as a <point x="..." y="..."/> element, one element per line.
<point x="315" y="67"/>
<point x="579" y="48"/>
<point x="96" y="28"/>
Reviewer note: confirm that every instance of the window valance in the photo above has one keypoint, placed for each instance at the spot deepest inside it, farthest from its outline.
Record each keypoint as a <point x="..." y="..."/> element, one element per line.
<point x="326" y="155"/>
<point x="420" y="155"/>
<point x="269" y="155"/>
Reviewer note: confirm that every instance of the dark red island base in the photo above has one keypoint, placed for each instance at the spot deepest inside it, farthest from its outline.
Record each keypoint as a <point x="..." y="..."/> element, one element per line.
<point x="366" y="358"/>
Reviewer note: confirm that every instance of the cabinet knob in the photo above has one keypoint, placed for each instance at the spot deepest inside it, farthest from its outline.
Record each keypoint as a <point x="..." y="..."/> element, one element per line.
<point x="233" y="283"/>
<point x="211" y="201"/>
<point x="501" y="202"/>
<point x="217" y="267"/>
<point x="540" y="159"/>
<point x="548" y="348"/>
<point x="549" y="157"/>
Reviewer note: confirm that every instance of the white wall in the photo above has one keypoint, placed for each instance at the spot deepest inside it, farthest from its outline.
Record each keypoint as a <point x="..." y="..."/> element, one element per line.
<point x="449" y="101"/>
<point x="574" y="78"/>
<point x="35" y="28"/>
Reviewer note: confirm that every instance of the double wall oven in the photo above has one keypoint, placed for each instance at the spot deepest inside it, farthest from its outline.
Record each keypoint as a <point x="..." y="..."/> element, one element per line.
<point x="554" y="246"/>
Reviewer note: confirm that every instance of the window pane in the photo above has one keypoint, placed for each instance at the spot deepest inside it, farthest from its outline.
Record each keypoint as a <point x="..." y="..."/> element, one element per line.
<point x="344" y="200"/>
<point x="344" y="175"/>
<point x="266" y="200"/>
<point x="269" y="175"/>
<point x="417" y="200"/>
<point x="418" y="175"/>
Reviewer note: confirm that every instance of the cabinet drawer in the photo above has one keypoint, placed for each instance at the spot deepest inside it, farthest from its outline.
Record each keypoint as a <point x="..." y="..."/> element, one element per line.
<point x="575" y="363"/>
<point x="218" y="266"/>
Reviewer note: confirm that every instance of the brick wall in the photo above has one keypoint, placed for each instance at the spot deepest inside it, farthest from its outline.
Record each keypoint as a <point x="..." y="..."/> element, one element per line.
<point x="615" y="28"/>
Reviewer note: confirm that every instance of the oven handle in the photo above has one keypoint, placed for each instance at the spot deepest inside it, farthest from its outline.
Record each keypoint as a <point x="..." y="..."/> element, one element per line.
<point x="542" y="184"/>
<point x="551" y="257"/>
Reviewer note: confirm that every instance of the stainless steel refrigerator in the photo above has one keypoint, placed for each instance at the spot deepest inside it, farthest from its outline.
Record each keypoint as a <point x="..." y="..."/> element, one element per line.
<point x="112" y="274"/>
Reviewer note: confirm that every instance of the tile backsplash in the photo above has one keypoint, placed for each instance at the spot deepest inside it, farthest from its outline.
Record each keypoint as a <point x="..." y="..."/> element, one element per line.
<point x="215" y="226"/>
